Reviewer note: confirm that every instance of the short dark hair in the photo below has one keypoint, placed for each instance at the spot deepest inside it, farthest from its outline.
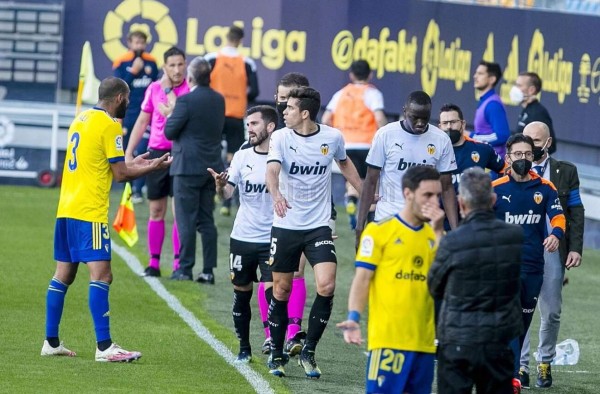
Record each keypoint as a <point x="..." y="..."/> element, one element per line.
<point x="199" y="71"/>
<point x="516" y="138"/>
<point x="360" y="69"/>
<point x="268" y="113"/>
<point x="534" y="80"/>
<point x="293" y="79"/>
<point x="138" y="34"/>
<point x="235" y="33"/>
<point x="418" y="97"/>
<point x="493" y="69"/>
<point x="111" y="87"/>
<point x="475" y="189"/>
<point x="448" y="107"/>
<point x="310" y="100"/>
<point x="417" y="174"/>
<point x="173" y="51"/>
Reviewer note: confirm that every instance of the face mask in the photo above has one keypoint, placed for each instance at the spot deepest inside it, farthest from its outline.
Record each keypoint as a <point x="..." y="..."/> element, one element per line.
<point x="539" y="152"/>
<point x="281" y="106"/>
<point x="521" y="166"/>
<point x="516" y="95"/>
<point x="454" y="135"/>
<point x="138" y="53"/>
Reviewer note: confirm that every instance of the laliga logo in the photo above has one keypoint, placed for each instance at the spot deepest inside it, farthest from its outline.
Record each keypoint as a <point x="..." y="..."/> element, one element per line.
<point x="146" y="15"/>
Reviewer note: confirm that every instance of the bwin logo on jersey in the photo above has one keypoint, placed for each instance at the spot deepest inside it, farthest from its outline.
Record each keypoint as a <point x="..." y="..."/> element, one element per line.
<point x="255" y="188"/>
<point x="538" y="197"/>
<point x="431" y="149"/>
<point x="475" y="156"/>
<point x="529" y="218"/>
<point x="324" y="149"/>
<point x="403" y="165"/>
<point x="317" y="169"/>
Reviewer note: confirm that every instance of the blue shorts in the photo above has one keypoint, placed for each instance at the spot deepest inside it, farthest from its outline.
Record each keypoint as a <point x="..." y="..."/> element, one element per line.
<point x="397" y="371"/>
<point x="77" y="241"/>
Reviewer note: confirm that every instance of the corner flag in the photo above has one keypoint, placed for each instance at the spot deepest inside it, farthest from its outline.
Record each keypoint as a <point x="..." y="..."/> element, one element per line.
<point x="124" y="222"/>
<point x="87" y="91"/>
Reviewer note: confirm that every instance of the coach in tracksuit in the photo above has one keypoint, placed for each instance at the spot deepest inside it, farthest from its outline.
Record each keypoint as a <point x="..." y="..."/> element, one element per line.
<point x="524" y="198"/>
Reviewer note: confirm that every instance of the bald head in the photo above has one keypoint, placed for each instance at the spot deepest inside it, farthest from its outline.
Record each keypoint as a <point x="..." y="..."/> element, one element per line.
<point x="540" y="134"/>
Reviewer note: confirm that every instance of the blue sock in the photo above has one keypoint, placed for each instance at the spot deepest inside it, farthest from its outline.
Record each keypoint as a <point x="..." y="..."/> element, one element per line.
<point x="55" y="301"/>
<point x="98" y="302"/>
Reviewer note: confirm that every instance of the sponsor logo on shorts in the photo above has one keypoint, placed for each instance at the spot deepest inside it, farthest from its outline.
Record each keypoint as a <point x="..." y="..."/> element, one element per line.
<point x="321" y="243"/>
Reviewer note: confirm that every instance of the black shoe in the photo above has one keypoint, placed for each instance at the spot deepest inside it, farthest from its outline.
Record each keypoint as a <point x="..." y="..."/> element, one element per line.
<point x="294" y="345"/>
<point x="178" y="275"/>
<point x="524" y="378"/>
<point x="151" y="271"/>
<point x="544" y="375"/>
<point x="207" y="279"/>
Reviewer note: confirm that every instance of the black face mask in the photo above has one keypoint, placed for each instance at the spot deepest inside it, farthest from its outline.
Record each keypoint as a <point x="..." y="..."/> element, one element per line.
<point x="138" y="53"/>
<point x="281" y="106"/>
<point x="521" y="167"/>
<point x="454" y="135"/>
<point x="538" y="153"/>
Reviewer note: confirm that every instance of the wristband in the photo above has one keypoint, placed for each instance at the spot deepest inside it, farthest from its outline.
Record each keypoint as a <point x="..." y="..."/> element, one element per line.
<point x="354" y="316"/>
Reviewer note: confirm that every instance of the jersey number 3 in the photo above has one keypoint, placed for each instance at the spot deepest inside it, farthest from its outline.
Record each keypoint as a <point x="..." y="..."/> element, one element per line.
<point x="73" y="160"/>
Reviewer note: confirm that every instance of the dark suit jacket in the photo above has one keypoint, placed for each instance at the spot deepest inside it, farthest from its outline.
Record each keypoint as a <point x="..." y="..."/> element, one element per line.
<point x="196" y="128"/>
<point x="566" y="180"/>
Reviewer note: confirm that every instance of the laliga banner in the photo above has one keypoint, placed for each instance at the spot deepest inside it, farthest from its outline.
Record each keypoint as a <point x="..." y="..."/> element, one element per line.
<point x="411" y="45"/>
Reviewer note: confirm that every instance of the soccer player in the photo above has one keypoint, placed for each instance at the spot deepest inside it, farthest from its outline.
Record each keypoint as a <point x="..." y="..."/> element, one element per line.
<point x="303" y="153"/>
<point x="525" y="198"/>
<point x="399" y="146"/>
<point x="251" y="235"/>
<point x="94" y="156"/>
<point x="158" y="103"/>
<point x="392" y="264"/>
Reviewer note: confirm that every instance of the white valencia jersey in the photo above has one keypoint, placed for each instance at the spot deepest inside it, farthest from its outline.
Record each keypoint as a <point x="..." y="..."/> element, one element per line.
<point x="253" y="221"/>
<point x="305" y="177"/>
<point x="394" y="150"/>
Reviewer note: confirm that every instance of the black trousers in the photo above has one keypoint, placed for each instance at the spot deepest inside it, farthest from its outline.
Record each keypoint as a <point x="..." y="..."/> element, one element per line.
<point x="194" y="204"/>
<point x="488" y="367"/>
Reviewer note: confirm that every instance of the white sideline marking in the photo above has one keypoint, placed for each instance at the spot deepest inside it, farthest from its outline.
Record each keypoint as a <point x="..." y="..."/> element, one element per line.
<point x="256" y="380"/>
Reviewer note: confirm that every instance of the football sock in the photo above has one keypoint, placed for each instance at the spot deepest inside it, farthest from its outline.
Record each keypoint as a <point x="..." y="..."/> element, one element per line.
<point x="98" y="302"/>
<point x="263" y="307"/>
<point x="296" y="306"/>
<point x="269" y="295"/>
<point x="242" y="313"/>
<point x="156" y="236"/>
<point x="176" y="246"/>
<point x="318" y="319"/>
<point x="103" y="345"/>
<point x="353" y="199"/>
<point x="278" y="325"/>
<point x="55" y="301"/>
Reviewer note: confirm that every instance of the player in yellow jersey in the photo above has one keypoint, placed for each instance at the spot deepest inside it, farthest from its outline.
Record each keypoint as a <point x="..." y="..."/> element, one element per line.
<point x="94" y="156"/>
<point x="392" y="263"/>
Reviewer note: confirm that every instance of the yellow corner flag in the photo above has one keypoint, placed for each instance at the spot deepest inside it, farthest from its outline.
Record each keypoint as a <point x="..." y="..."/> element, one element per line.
<point x="87" y="91"/>
<point x="124" y="222"/>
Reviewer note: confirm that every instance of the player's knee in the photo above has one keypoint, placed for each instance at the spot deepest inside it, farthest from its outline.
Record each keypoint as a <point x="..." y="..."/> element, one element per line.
<point x="282" y="291"/>
<point x="326" y="289"/>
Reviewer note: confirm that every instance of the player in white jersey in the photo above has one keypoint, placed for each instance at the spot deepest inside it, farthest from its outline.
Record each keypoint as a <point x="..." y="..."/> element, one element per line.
<point x="299" y="180"/>
<point x="251" y="234"/>
<point x="397" y="147"/>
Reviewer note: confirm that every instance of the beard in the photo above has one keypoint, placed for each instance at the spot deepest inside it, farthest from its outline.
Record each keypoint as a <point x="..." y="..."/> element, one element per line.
<point x="121" y="110"/>
<point x="260" y="138"/>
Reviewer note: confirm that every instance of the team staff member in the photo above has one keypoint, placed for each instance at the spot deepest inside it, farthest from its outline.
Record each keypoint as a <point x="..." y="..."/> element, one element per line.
<point x="158" y="104"/>
<point x="524" y="198"/>
<point x="251" y="234"/>
<point x="94" y="157"/>
<point x="392" y="265"/>
<point x="564" y="176"/>
<point x="138" y="68"/>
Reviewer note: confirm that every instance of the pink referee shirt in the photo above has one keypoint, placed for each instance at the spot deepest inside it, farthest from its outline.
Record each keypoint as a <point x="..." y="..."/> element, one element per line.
<point x="153" y="97"/>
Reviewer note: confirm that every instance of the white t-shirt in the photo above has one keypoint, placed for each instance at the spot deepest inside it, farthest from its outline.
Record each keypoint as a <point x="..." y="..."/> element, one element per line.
<point x="253" y="221"/>
<point x="394" y="150"/>
<point x="305" y="177"/>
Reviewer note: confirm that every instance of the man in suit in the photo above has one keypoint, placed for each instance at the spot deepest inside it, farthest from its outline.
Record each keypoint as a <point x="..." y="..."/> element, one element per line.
<point x="564" y="177"/>
<point x="195" y="127"/>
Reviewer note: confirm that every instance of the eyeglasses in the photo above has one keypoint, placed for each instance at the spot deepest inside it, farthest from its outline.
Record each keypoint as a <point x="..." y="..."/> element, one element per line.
<point x="519" y="155"/>
<point x="450" y="122"/>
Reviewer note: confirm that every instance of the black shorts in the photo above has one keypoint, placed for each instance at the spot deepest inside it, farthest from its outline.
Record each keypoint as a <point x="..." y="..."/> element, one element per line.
<point x="288" y="245"/>
<point x="245" y="258"/>
<point x="233" y="130"/>
<point x="359" y="159"/>
<point x="159" y="182"/>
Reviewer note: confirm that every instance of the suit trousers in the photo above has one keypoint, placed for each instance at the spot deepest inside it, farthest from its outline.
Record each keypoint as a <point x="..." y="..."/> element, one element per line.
<point x="550" y="302"/>
<point x="194" y="204"/>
